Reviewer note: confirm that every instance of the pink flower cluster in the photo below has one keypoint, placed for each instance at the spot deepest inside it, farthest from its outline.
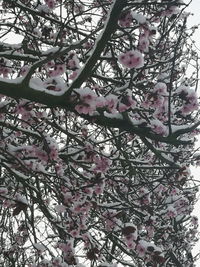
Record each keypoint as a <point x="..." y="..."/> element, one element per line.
<point x="143" y="44"/>
<point x="172" y="10"/>
<point x="132" y="59"/>
<point x="72" y="62"/>
<point x="158" y="100"/>
<point x="130" y="235"/>
<point x="126" y="102"/>
<point x="59" y="69"/>
<point x="158" y="127"/>
<point x="160" y="88"/>
<point x="3" y="191"/>
<point x="145" y="197"/>
<point x="102" y="164"/>
<point x="89" y="102"/>
<point x="189" y="98"/>
<point x="78" y="8"/>
<point x="24" y="70"/>
<point x="87" y="45"/>
<point x="125" y="19"/>
<point x="157" y="97"/>
<point x="143" y="248"/>
<point x="145" y="36"/>
<point x="36" y="157"/>
<point x="50" y="3"/>
<point x="5" y="67"/>
<point x="67" y="249"/>
<point x="110" y="219"/>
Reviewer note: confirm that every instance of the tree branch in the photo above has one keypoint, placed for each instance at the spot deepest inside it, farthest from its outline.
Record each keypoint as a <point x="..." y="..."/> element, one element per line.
<point x="103" y="38"/>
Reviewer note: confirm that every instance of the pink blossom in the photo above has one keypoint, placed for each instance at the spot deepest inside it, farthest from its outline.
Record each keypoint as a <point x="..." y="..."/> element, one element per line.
<point x="73" y="75"/>
<point x="50" y="3"/>
<point x="194" y="220"/>
<point x="188" y="108"/>
<point x="86" y="207"/>
<point x="84" y="131"/>
<point x="87" y="45"/>
<point x="126" y="103"/>
<point x="53" y="155"/>
<point x="110" y="220"/>
<point x="98" y="189"/>
<point x="66" y="247"/>
<point x="67" y="197"/>
<point x="130" y="232"/>
<point x="141" y="249"/>
<point x="50" y="64"/>
<point x="171" y="212"/>
<point x="143" y="191"/>
<point x="125" y="19"/>
<point x="59" y="169"/>
<point x="111" y="103"/>
<point x="59" y="69"/>
<point x="189" y="98"/>
<point x="150" y="231"/>
<point x="158" y="127"/>
<point x="24" y="70"/>
<point x="8" y="203"/>
<point x="174" y="191"/>
<point x="132" y="59"/>
<point x="130" y="244"/>
<point x="87" y="103"/>
<point x="79" y="8"/>
<point x="160" y="88"/>
<point x="3" y="191"/>
<point x="42" y="155"/>
<point x="145" y="200"/>
<point x="52" y="73"/>
<point x="101" y="102"/>
<point x="88" y="191"/>
<point x="72" y="64"/>
<point x="143" y="44"/>
<point x="5" y="71"/>
<point x="153" y="100"/>
<point x="74" y="233"/>
<point x="88" y="97"/>
<point x="85" y="109"/>
<point x="77" y="208"/>
<point x="170" y="11"/>
<point x="102" y="164"/>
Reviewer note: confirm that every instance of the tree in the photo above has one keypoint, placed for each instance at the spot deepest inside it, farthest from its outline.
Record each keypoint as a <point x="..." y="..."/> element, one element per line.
<point x="99" y="116"/>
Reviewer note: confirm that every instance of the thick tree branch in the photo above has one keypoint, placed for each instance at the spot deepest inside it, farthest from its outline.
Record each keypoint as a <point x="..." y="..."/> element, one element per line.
<point x="16" y="89"/>
<point x="103" y="38"/>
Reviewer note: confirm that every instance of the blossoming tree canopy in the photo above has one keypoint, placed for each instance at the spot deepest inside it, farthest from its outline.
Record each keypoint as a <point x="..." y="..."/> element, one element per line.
<point x="98" y="118"/>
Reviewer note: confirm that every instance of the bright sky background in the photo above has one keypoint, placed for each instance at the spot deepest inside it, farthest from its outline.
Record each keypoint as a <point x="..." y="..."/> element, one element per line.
<point x="195" y="19"/>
